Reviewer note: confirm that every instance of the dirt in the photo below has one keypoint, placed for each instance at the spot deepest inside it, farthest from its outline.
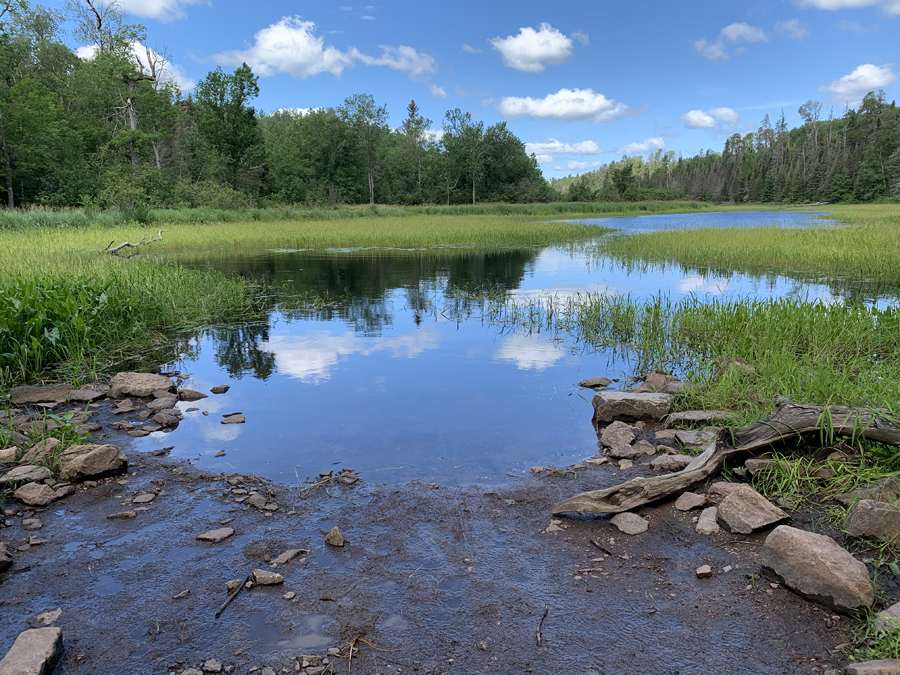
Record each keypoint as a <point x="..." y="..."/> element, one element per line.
<point x="432" y="579"/>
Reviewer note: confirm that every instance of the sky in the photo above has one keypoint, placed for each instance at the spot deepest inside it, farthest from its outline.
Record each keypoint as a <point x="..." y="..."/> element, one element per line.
<point x="580" y="82"/>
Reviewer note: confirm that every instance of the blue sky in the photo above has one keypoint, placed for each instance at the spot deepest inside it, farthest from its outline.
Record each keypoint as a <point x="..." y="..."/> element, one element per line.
<point x="581" y="82"/>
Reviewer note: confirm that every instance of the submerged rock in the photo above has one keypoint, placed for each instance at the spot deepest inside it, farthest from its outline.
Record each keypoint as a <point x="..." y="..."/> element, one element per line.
<point x="617" y="405"/>
<point x="873" y="520"/>
<point x="138" y="384"/>
<point x="745" y="511"/>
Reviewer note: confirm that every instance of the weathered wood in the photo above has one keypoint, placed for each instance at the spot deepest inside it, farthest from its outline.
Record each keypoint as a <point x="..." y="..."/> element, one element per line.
<point x="144" y="240"/>
<point x="789" y="421"/>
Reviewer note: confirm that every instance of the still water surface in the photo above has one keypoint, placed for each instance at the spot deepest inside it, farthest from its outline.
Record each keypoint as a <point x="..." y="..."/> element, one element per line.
<point x="391" y="382"/>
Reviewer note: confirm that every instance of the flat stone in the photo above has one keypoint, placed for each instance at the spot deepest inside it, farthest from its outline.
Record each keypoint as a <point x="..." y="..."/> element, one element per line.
<point x="160" y="404"/>
<point x="626" y="464"/>
<point x="35" y="652"/>
<point x="335" y="537"/>
<point x="755" y="466"/>
<point x="290" y="595"/>
<point x="190" y="395"/>
<point x="35" y="494"/>
<point x="706" y="523"/>
<point x="597" y="461"/>
<point x="81" y="462"/>
<point x="670" y="463"/>
<point x="216" y="536"/>
<point x="689" y="501"/>
<point x="6" y="558"/>
<point x="884" y="490"/>
<point x="212" y="666"/>
<point x="220" y="389"/>
<point x="610" y="406"/>
<point x="694" y="439"/>
<point x="872" y="520"/>
<point x="722" y="489"/>
<point x="593" y="382"/>
<point x="630" y="523"/>
<point x="138" y="384"/>
<point x="880" y="667"/>
<point x="32" y="524"/>
<point x="9" y="455"/>
<point x="138" y="433"/>
<point x="697" y="417"/>
<point x="26" y="474"/>
<point x="237" y="418"/>
<point x="644" y="448"/>
<point x="888" y="619"/>
<point x="257" y="501"/>
<point x="267" y="578"/>
<point x="623" y="451"/>
<point x="40" y="451"/>
<point x="287" y="556"/>
<point x="617" y="434"/>
<point x="745" y="511"/>
<point x="122" y="515"/>
<point x="818" y="568"/>
<point x="30" y="395"/>
<point x="165" y="393"/>
<point x="84" y="396"/>
<point x="144" y="498"/>
<point x="703" y="572"/>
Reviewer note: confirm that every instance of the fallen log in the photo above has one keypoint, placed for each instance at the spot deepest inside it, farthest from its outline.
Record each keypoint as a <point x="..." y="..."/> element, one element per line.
<point x="144" y="240"/>
<point x="789" y="421"/>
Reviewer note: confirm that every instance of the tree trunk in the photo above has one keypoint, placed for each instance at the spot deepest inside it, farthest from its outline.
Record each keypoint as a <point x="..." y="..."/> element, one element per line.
<point x="131" y="111"/>
<point x="473" y="190"/>
<point x="7" y="166"/>
<point x="371" y="188"/>
<point x="789" y="421"/>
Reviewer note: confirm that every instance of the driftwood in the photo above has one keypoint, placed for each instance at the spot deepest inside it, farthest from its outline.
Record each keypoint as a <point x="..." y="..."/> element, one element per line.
<point x="789" y="421"/>
<point x="144" y="240"/>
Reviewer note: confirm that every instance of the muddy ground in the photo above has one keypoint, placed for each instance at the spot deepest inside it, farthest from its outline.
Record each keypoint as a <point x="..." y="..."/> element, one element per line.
<point x="432" y="579"/>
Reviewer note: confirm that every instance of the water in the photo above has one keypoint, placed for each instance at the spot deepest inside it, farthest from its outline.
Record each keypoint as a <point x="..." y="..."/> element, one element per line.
<point x="399" y="382"/>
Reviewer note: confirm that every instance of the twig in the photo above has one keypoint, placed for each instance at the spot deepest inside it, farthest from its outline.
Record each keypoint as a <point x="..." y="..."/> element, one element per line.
<point x="232" y="597"/>
<point x="592" y="569"/>
<point x="540" y="638"/>
<point x="512" y="475"/>
<point x="597" y="543"/>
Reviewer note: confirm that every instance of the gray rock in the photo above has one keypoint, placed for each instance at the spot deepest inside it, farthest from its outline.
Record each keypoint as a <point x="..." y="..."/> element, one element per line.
<point x="816" y="567"/>
<point x="873" y="520"/>
<point x="45" y="619"/>
<point x="144" y="498"/>
<point x="335" y="537"/>
<point x="623" y="452"/>
<point x="35" y="494"/>
<point x="626" y="464"/>
<point x="9" y="455"/>
<point x="694" y="439"/>
<point x="703" y="572"/>
<point x="168" y="418"/>
<point x="257" y="501"/>
<point x="35" y="652"/>
<point x="754" y="466"/>
<point x="630" y="523"/>
<point x="689" y="501"/>
<point x="880" y="667"/>
<point x="722" y="489"/>
<point x="84" y="396"/>
<point x="706" y="524"/>
<point x="697" y="417"/>
<point x="267" y="578"/>
<point x="138" y="384"/>
<point x="287" y="556"/>
<point x="617" y="434"/>
<point x="25" y="474"/>
<point x="220" y="389"/>
<point x="644" y="448"/>
<point x="212" y="666"/>
<point x="190" y="395"/>
<point x="6" y="559"/>
<point x="679" y="387"/>
<point x="41" y="451"/>
<point x="236" y="418"/>
<point x="593" y="382"/>
<point x="744" y="511"/>
<point x="233" y="585"/>
<point x="122" y="515"/>
<point x="81" y="462"/>
<point x="216" y="536"/>
<point x="164" y="393"/>
<point x="888" y="619"/>
<point x="617" y="405"/>
<point x="670" y="463"/>
<point x="654" y="383"/>
<point x="884" y="490"/>
<point x="160" y="404"/>
<point x="31" y="395"/>
<point x="32" y="524"/>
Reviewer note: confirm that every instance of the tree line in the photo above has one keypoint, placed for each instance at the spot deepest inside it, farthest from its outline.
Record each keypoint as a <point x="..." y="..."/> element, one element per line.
<point x="108" y="127"/>
<point x="851" y="158"/>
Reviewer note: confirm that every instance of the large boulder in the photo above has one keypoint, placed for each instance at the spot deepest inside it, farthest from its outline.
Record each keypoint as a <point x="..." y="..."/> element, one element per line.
<point x="81" y="462"/>
<point x="35" y="494"/>
<point x="26" y="474"/>
<point x="31" y="395"/>
<point x="873" y="520"/>
<point x="744" y="511"/>
<point x="622" y="405"/>
<point x="35" y="652"/>
<point x="138" y="384"/>
<point x="818" y="568"/>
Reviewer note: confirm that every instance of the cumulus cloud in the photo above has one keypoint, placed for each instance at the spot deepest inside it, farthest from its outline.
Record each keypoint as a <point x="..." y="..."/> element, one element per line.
<point x="794" y="28"/>
<point x="889" y="7"/>
<point x="643" y="147"/>
<point x="566" y="105"/>
<point x="470" y="49"/>
<point x="143" y="56"/>
<point x="714" y="119"/>
<point x="865" y="78"/>
<point x="531" y="51"/>
<point x="551" y="146"/>
<point x="161" y="10"/>
<point x="291" y="46"/>
<point x="733" y="34"/>
<point x="437" y="91"/>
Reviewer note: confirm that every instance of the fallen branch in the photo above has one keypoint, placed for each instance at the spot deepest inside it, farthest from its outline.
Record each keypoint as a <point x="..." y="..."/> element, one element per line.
<point x="144" y="240"/>
<point x="538" y="636"/>
<point x="233" y="596"/>
<point x="789" y="421"/>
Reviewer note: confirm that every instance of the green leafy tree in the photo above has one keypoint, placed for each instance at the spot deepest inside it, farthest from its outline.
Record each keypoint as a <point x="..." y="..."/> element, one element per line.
<point x="368" y="121"/>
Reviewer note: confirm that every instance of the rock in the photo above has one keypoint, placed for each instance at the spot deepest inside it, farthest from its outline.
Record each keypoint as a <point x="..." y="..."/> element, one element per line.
<point x="653" y="383"/>
<point x="6" y="559"/>
<point x="670" y="463"/>
<point x="32" y="524"/>
<point x="34" y="494"/>
<point x="623" y="452"/>
<point x="60" y="492"/>
<point x="626" y="464"/>
<point x="335" y="537"/>
<point x="884" y="490"/>
<point x="290" y="595"/>
<point x="630" y="523"/>
<point x="168" y="418"/>
<point x="139" y="433"/>
<point x="236" y="418"/>
<point x="287" y="556"/>
<point x="233" y="585"/>
<point x="722" y="489"/>
<point x="144" y="498"/>
<point x="644" y="448"/>
<point x="160" y="404"/>
<point x="817" y="568"/>
<point x="675" y="388"/>
<point x="41" y="451"/>
<point x="617" y="434"/>
<point x="257" y="501"/>
<point x="212" y="666"/>
<point x="122" y="515"/>
<point x="164" y="393"/>
<point x="745" y="511"/>
<point x="221" y="389"/>
<point x="31" y="395"/>
<point x="9" y="455"/>
<point x="190" y="395"/>
<point x="25" y="474"/>
<point x="138" y="384"/>
<point x="616" y="405"/>
<point x="706" y="524"/>
<point x="888" y="619"/>
<point x="35" y="652"/>
<point x="537" y="470"/>
<point x="880" y="667"/>
<point x="689" y="501"/>
<point x="754" y="466"/>
<point x="703" y="572"/>
<point x="698" y="417"/>
<point x="84" y="396"/>
<point x="872" y="520"/>
<point x="216" y="536"/>
<point x="597" y="461"/>
<point x="694" y="439"/>
<point x="738" y="366"/>
<point x="80" y="462"/>
<point x="45" y="619"/>
<point x="267" y="578"/>
<point x="593" y="382"/>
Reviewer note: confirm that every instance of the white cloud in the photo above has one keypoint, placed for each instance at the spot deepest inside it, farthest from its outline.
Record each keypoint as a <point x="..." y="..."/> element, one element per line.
<point x="889" y="7"/>
<point x="532" y="50"/>
<point x="551" y="146"/>
<point x="576" y="165"/>
<point x="566" y="105"/>
<point x="161" y="10"/>
<point x="437" y="91"/>
<point x="419" y="65"/>
<point x="529" y="352"/>
<point x="470" y="49"/>
<point x="865" y="78"/>
<point x="734" y="34"/>
<point x="711" y="50"/>
<point x="645" y="146"/>
<point x="171" y="72"/>
<point x="716" y="118"/>
<point x="795" y="29"/>
<point x="583" y="38"/>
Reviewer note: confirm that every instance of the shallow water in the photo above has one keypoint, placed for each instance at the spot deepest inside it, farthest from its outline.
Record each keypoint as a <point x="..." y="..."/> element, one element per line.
<point x="397" y="380"/>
